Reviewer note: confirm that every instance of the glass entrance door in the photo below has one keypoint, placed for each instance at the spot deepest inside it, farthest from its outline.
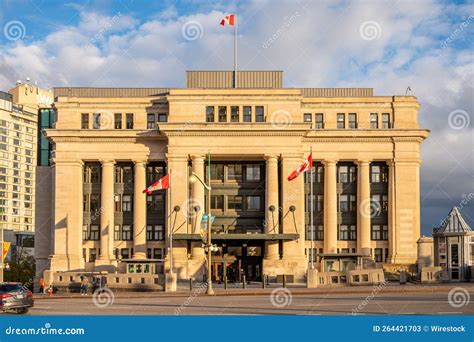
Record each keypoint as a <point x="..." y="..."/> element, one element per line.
<point x="454" y="266"/>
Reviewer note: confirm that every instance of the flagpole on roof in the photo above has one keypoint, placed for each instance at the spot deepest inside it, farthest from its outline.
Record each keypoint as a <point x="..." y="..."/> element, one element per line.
<point x="235" y="51"/>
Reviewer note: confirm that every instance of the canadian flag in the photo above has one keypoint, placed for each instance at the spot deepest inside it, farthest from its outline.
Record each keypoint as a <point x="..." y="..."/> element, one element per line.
<point x="229" y="19"/>
<point x="307" y="165"/>
<point x="162" y="183"/>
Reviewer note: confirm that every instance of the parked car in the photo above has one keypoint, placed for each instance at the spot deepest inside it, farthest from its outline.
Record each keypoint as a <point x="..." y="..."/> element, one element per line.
<point x="15" y="297"/>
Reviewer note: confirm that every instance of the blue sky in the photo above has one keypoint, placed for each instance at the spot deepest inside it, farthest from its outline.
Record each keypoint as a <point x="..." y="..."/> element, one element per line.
<point x="387" y="45"/>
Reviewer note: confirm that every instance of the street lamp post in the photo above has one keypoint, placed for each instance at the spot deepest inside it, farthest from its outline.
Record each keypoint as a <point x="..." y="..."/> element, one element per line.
<point x="193" y="179"/>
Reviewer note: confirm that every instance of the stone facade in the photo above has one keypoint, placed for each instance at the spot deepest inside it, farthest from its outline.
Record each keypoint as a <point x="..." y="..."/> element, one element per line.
<point x="267" y="131"/>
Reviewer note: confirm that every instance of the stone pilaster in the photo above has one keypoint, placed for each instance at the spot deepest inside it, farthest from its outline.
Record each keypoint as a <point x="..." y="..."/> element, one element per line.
<point x="67" y="216"/>
<point x="330" y="207"/>
<point x="364" y="207"/>
<point x="139" y="210"/>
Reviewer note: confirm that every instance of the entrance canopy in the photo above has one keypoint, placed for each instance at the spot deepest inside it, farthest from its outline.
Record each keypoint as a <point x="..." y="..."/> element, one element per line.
<point x="258" y="236"/>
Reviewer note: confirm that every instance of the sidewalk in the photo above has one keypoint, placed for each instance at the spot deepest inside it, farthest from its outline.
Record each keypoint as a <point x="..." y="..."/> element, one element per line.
<point x="295" y="289"/>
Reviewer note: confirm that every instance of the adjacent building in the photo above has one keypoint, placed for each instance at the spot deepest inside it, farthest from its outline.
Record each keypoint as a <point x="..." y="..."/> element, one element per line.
<point x="109" y="144"/>
<point x="18" y="154"/>
<point x="454" y="248"/>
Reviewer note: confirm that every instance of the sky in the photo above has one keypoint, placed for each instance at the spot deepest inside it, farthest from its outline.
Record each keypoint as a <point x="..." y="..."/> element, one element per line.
<point x="426" y="45"/>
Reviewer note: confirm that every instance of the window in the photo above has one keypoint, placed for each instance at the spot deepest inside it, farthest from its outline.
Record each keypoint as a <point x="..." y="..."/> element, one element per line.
<point x="150" y="121"/>
<point x="209" y="114"/>
<point x="320" y="203"/>
<point x="125" y="253"/>
<point x="352" y="120"/>
<point x="375" y="174"/>
<point x="126" y="232"/>
<point x="96" y="120"/>
<point x="247" y="114"/>
<point x="320" y="232"/>
<point x="85" y="120"/>
<point x="154" y="232"/>
<point x="118" y="120"/>
<point x="94" y="203"/>
<point x="162" y="117"/>
<point x="234" y="172"/>
<point x="126" y="203"/>
<point x="234" y="114"/>
<point x="352" y="203"/>
<point x="386" y="121"/>
<point x="374" y="120"/>
<point x="352" y="232"/>
<point x="376" y="233"/>
<point x="94" y="233"/>
<point x="343" y="232"/>
<point x="117" y="236"/>
<point x="217" y="172"/>
<point x="384" y="232"/>
<point x="157" y="253"/>
<point x="234" y="203"/>
<point x="378" y="254"/>
<point x="252" y="173"/>
<point x="129" y="120"/>
<point x="217" y="202"/>
<point x="253" y="203"/>
<point x="222" y="114"/>
<point x="307" y="117"/>
<point x="259" y="114"/>
<point x="343" y="203"/>
<point x="319" y="121"/>
<point x="92" y="254"/>
<point x="347" y="174"/>
<point x="341" y="120"/>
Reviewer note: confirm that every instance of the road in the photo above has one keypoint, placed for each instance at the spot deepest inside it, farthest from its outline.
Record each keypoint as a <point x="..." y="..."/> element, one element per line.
<point x="283" y="303"/>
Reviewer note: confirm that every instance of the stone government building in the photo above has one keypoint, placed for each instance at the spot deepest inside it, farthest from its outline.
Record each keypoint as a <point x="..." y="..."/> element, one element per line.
<point x="109" y="144"/>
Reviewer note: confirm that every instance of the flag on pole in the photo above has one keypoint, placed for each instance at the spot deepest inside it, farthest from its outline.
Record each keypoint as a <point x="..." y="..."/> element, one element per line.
<point x="6" y="247"/>
<point x="228" y="19"/>
<point x="307" y="165"/>
<point x="161" y="184"/>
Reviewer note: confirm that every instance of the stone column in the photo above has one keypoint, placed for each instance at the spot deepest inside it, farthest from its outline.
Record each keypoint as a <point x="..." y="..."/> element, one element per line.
<point x="364" y="211"/>
<point x="293" y="221"/>
<point x="107" y="212"/>
<point x="330" y="207"/>
<point x="272" y="216"/>
<point x="391" y="212"/>
<point x="197" y="200"/>
<point x="139" y="210"/>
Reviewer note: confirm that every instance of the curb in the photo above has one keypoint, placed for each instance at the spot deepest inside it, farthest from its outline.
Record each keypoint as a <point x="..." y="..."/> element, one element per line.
<point x="266" y="292"/>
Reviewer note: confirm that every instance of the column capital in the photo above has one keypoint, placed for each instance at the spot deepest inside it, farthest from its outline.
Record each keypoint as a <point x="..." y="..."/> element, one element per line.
<point x="363" y="162"/>
<point x="107" y="162"/>
<point x="271" y="157"/>
<point x="329" y="161"/>
<point x="198" y="158"/>
<point x="140" y="162"/>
